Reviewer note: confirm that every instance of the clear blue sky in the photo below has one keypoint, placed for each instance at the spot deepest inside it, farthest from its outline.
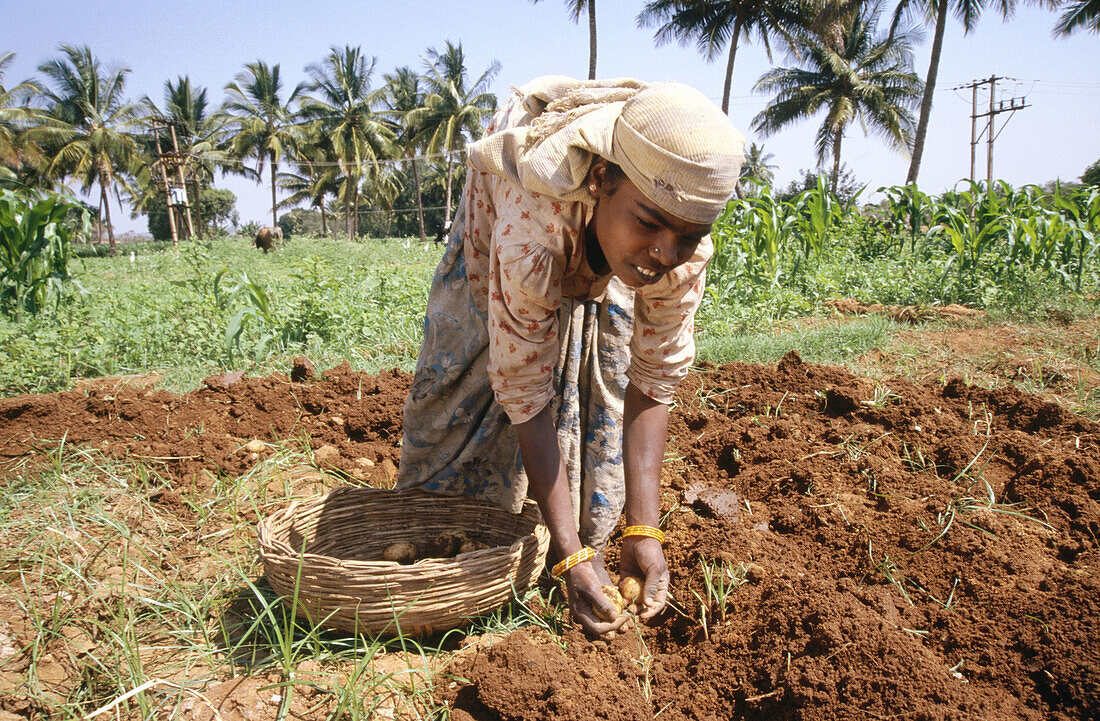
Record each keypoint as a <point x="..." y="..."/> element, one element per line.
<point x="1058" y="137"/>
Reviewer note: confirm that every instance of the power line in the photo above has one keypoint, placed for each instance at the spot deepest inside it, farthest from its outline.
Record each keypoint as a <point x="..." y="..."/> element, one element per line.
<point x="333" y="163"/>
<point x="996" y="108"/>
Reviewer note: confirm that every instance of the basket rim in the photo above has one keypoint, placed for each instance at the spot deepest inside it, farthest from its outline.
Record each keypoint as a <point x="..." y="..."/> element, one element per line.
<point x="270" y="545"/>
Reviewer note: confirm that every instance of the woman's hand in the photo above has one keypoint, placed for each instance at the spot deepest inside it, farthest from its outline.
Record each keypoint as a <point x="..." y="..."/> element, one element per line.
<point x="643" y="557"/>
<point x="584" y="583"/>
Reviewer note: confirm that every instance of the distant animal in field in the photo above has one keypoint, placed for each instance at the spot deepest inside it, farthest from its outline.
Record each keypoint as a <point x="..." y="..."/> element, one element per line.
<point x="266" y="237"/>
<point x="443" y="233"/>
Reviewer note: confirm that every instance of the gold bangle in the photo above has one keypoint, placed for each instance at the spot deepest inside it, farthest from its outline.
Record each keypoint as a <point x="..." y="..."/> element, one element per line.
<point x="647" y="531"/>
<point x="585" y="554"/>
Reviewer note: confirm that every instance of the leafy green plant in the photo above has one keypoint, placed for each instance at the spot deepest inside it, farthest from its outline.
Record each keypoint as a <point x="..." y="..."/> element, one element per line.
<point x="36" y="230"/>
<point x="770" y="225"/>
<point x="259" y="309"/>
<point x="909" y="208"/>
<point x="818" y="211"/>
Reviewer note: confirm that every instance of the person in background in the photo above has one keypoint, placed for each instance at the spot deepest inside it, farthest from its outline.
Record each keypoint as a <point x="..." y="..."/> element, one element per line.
<point x="560" y="318"/>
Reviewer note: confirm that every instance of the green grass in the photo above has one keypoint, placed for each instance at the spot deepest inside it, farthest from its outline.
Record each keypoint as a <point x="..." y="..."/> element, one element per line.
<point x="168" y="310"/>
<point x="822" y="344"/>
<point x="118" y="593"/>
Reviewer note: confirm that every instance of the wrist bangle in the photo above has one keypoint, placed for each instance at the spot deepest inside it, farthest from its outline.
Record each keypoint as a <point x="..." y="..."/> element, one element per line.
<point x="648" y="531"/>
<point x="585" y="554"/>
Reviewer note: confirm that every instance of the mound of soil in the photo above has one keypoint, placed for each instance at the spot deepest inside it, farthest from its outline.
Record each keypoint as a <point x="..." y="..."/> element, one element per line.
<point x="893" y="550"/>
<point x="351" y="420"/>
<point x="913" y="314"/>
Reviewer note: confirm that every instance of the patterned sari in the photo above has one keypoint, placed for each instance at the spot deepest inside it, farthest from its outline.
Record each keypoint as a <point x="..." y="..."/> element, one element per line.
<point x="458" y="440"/>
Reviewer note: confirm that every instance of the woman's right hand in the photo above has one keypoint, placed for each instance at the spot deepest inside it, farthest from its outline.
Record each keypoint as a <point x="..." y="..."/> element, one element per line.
<point x="584" y="583"/>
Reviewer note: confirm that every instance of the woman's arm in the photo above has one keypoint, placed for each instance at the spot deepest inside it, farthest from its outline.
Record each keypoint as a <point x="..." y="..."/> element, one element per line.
<point x="645" y="426"/>
<point x="548" y="484"/>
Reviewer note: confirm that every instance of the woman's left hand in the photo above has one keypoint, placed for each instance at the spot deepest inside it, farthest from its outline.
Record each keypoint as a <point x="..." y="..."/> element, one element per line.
<point x="643" y="557"/>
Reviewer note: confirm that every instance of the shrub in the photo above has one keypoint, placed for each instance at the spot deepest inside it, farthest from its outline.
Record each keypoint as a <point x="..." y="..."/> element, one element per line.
<point x="36" y="230"/>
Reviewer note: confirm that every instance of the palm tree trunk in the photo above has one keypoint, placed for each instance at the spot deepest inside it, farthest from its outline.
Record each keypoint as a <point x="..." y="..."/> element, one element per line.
<point x="929" y="88"/>
<point x="324" y="221"/>
<point x="729" y="65"/>
<point x="99" y="221"/>
<point x="419" y="203"/>
<point x="591" y="39"/>
<point x="355" y="212"/>
<point x="836" y="160"/>
<point x="196" y="199"/>
<point x="107" y="209"/>
<point x="447" y="202"/>
<point x="347" y="206"/>
<point x="274" y="217"/>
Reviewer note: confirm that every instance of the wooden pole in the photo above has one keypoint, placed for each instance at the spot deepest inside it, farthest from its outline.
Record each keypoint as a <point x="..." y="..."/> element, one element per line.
<point x="167" y="190"/>
<point x="183" y="183"/>
<point x="973" y="126"/>
<point x="989" y="140"/>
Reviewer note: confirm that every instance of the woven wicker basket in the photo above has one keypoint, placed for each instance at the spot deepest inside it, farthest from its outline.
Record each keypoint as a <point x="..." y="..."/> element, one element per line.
<point x="342" y="585"/>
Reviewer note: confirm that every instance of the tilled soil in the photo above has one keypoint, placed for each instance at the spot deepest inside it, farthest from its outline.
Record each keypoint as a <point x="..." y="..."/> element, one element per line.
<point x="893" y="550"/>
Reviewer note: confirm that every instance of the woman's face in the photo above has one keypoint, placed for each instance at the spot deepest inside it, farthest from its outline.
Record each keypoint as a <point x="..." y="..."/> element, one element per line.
<point x="641" y="241"/>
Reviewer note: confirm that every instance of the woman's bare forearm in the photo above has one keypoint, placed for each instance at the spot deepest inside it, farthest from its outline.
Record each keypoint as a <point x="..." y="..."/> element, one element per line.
<point x="645" y="425"/>
<point x="547" y="483"/>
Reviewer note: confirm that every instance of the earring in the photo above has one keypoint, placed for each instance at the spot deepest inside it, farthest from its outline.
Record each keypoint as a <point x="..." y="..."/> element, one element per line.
<point x="591" y="187"/>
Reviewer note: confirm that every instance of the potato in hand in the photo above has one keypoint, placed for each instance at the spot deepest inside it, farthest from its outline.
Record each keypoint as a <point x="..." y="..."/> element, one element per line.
<point x="630" y="588"/>
<point x="616" y="599"/>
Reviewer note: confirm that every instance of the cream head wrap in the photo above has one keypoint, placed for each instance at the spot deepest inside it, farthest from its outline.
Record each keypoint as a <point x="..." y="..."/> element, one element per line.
<point x="672" y="142"/>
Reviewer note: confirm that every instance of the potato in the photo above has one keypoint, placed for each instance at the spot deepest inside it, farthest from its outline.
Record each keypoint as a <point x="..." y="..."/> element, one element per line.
<point x="469" y="545"/>
<point x="612" y="594"/>
<point x="630" y="587"/>
<point x="401" y="552"/>
<point x="445" y="545"/>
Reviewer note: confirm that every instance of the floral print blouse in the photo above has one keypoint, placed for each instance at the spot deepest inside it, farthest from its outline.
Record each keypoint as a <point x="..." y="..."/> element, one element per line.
<point x="524" y="254"/>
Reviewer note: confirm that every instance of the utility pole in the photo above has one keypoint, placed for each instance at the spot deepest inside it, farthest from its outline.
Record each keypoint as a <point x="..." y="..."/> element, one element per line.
<point x="990" y="133"/>
<point x="167" y="187"/>
<point x="973" y="126"/>
<point x="176" y="194"/>
<point x="183" y="183"/>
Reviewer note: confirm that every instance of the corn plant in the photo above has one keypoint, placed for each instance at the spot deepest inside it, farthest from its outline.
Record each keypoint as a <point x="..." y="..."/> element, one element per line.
<point x="260" y="309"/>
<point x="35" y="236"/>
<point x="910" y="209"/>
<point x="770" y="224"/>
<point x="817" y="212"/>
<point x="1081" y="245"/>
<point x="968" y="238"/>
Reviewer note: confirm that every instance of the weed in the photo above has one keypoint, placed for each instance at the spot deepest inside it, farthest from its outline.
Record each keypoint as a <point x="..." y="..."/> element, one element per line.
<point x="965" y="502"/>
<point x="890" y="571"/>
<point x="720" y="580"/>
<point x="882" y="397"/>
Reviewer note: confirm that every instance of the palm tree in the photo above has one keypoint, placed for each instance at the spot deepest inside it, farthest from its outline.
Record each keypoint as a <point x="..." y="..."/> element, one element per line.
<point x="14" y="116"/>
<point x="967" y="11"/>
<point x="756" y="169"/>
<point x="576" y="7"/>
<point x="85" y="128"/>
<point x="344" y="111"/>
<point x="866" y="77"/>
<point x="261" y="123"/>
<point x="198" y="132"/>
<point x="316" y="175"/>
<point x="1079" y="15"/>
<point x="711" y="24"/>
<point x="453" y="111"/>
<point x="404" y="96"/>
